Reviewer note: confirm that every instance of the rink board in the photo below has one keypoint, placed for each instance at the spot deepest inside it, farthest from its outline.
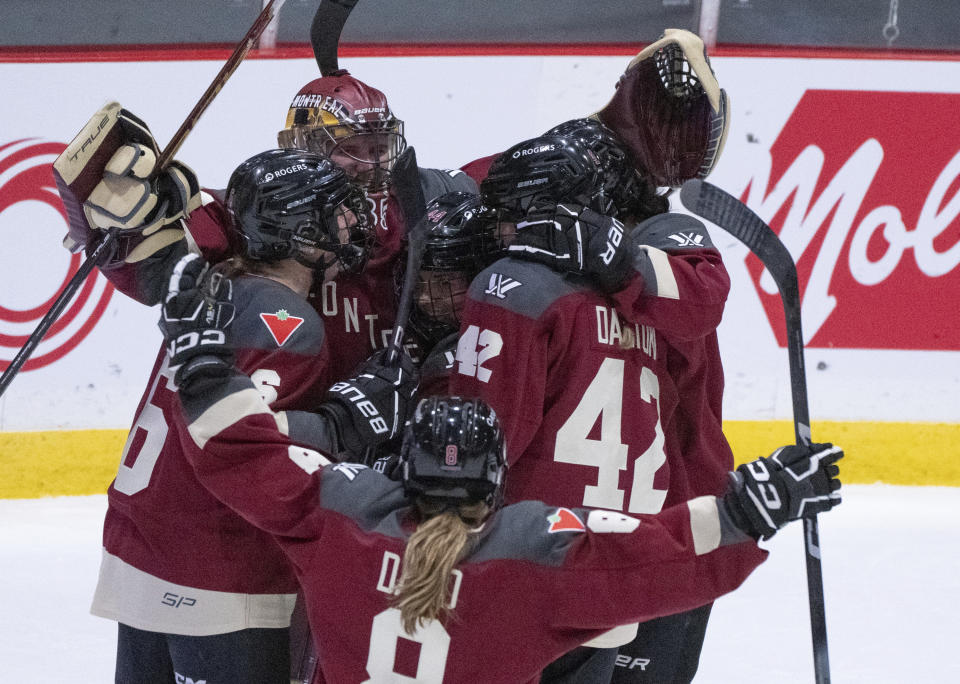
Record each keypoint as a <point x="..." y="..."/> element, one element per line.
<point x="845" y="157"/>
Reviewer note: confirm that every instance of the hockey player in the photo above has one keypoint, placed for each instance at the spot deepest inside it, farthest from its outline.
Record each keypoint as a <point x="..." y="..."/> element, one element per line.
<point x="338" y="116"/>
<point x="384" y="563"/>
<point x="463" y="236"/>
<point x="199" y="594"/>
<point x="668" y="649"/>
<point x="577" y="352"/>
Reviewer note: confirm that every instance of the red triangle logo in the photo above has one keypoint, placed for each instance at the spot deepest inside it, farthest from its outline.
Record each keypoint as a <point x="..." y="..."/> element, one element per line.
<point x="565" y="520"/>
<point x="281" y="325"/>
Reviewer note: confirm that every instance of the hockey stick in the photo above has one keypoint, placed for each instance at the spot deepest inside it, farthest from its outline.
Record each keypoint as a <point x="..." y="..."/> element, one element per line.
<point x="733" y="216"/>
<point x="409" y="193"/>
<point x="325" y="32"/>
<point x="106" y="243"/>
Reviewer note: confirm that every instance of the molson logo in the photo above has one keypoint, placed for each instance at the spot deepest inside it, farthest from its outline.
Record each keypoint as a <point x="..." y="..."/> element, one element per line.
<point x="32" y="223"/>
<point x="864" y="190"/>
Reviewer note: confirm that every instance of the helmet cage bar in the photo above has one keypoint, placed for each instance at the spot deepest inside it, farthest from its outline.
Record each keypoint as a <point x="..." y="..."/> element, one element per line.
<point x="383" y="139"/>
<point x="676" y="73"/>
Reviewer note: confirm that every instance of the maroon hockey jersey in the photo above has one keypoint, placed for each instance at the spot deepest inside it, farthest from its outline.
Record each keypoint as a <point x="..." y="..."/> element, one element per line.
<point x="598" y="394"/>
<point x="166" y="538"/>
<point x="542" y="579"/>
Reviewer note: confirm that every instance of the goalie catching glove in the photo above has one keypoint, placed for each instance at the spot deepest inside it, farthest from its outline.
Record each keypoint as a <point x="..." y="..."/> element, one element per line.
<point x="372" y="406"/>
<point x="794" y="482"/>
<point x="574" y="239"/>
<point x="196" y="311"/>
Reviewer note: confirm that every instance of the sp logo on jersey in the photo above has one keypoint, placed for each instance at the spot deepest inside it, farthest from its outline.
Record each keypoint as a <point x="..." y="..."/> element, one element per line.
<point x="281" y="325"/>
<point x="565" y="520"/>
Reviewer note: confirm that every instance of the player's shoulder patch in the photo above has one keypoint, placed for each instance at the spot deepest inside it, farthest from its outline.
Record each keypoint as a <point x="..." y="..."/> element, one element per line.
<point x="349" y="470"/>
<point x="271" y="316"/>
<point x="281" y="325"/>
<point x="524" y="287"/>
<point x="673" y="231"/>
<point x="564" y="520"/>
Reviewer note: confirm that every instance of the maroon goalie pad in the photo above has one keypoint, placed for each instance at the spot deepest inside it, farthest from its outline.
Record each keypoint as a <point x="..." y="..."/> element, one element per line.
<point x="669" y="110"/>
<point x="80" y="167"/>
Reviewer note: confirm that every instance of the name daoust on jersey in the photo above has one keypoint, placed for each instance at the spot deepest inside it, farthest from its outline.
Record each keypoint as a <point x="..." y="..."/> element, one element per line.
<point x="614" y="332"/>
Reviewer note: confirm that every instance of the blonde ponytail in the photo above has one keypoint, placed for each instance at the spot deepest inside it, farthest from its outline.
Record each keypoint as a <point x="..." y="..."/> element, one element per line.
<point x="435" y="547"/>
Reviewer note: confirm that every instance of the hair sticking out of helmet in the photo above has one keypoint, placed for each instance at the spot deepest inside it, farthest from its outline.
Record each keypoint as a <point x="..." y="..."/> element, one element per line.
<point x="453" y="453"/>
<point x="294" y="204"/>
<point x="462" y="239"/>
<point x="350" y="122"/>
<point x="544" y="171"/>
<point x="629" y="192"/>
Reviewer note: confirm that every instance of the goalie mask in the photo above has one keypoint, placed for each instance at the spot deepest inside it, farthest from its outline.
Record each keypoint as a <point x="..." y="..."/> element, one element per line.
<point x="669" y="110"/>
<point x="350" y="122"/>
<point x="462" y="238"/>
<point x="287" y="204"/>
<point x="546" y="170"/>
<point x="453" y="452"/>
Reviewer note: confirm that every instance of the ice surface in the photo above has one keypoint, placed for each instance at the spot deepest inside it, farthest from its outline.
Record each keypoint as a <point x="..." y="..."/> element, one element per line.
<point x="890" y="556"/>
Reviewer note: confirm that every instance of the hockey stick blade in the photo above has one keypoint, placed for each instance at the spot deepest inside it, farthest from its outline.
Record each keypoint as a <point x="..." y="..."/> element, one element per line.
<point x="409" y="193"/>
<point x="733" y="216"/>
<point x="105" y="246"/>
<point x="325" y="30"/>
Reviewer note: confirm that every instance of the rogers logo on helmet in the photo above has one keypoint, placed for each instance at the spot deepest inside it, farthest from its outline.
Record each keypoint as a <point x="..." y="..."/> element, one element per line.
<point x="870" y="215"/>
<point x="533" y="150"/>
<point x="271" y="175"/>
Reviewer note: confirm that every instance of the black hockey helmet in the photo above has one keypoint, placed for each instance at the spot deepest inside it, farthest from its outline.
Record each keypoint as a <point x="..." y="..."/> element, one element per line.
<point x="545" y="170"/>
<point x="453" y="452"/>
<point x="462" y="238"/>
<point x="620" y="180"/>
<point x="282" y="201"/>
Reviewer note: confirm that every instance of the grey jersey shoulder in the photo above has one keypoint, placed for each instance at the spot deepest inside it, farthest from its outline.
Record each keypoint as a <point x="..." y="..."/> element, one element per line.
<point x="524" y="287"/>
<point x="530" y="531"/>
<point x="367" y="497"/>
<point x="671" y="232"/>
<point x="270" y="315"/>
<point x="436" y="182"/>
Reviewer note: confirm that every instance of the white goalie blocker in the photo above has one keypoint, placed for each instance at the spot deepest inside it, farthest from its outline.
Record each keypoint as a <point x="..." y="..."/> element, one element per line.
<point x="669" y="110"/>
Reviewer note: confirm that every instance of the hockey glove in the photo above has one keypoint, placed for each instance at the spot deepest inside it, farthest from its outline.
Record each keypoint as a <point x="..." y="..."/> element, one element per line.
<point x="132" y="196"/>
<point x="197" y="309"/>
<point x="574" y="239"/>
<point x="372" y="406"/>
<point x="389" y="466"/>
<point x="795" y="482"/>
<point x="128" y="192"/>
